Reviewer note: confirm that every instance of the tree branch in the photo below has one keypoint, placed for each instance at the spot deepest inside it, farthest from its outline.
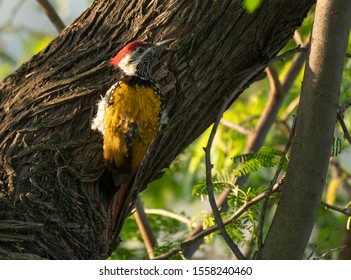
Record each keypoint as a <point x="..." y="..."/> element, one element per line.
<point x="171" y="215"/>
<point x="347" y="135"/>
<point x="145" y="228"/>
<point x="321" y="243"/>
<point x="52" y="14"/>
<point x="344" y="107"/>
<point x="235" y="126"/>
<point x="344" y="211"/>
<point x="209" y="165"/>
<point x="288" y="53"/>
<point x="330" y="251"/>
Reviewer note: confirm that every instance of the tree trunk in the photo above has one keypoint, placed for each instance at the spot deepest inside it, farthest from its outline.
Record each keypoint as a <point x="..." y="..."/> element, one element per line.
<point x="292" y="225"/>
<point x="54" y="203"/>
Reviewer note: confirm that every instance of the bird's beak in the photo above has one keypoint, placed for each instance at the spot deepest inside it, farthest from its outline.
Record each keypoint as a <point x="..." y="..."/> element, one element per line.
<point x="164" y="43"/>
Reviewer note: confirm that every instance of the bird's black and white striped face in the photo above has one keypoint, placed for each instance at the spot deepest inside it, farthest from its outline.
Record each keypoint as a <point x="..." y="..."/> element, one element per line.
<point x="138" y="57"/>
<point x="139" y="62"/>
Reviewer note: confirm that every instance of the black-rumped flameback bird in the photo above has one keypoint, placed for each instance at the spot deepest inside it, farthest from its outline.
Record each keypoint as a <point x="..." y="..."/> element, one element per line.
<point x="132" y="111"/>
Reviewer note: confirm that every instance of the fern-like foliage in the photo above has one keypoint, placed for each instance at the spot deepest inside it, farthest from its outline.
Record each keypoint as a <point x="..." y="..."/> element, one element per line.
<point x="266" y="157"/>
<point x="220" y="182"/>
<point x="248" y="221"/>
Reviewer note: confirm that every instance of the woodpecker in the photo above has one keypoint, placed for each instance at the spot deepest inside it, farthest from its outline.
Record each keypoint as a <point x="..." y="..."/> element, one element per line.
<point x="132" y="110"/>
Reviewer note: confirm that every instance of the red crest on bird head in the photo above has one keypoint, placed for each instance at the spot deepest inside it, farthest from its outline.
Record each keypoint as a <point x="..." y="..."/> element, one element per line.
<point x="129" y="48"/>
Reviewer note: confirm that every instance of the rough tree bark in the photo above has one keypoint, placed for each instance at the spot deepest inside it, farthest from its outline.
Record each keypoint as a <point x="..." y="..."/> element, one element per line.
<point x="315" y="125"/>
<point x="52" y="201"/>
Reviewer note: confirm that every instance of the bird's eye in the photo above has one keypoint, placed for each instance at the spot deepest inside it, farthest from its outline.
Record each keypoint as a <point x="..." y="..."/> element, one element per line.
<point x="140" y="50"/>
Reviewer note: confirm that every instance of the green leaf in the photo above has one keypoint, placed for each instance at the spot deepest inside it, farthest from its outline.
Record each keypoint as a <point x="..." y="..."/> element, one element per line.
<point x="266" y="157"/>
<point x="220" y="182"/>
<point x="199" y="189"/>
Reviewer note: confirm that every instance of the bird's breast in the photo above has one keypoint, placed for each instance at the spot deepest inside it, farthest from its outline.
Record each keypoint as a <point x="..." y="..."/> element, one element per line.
<point x="131" y="121"/>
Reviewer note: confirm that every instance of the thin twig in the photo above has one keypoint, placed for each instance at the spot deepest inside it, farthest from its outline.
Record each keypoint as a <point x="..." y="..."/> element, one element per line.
<point x="52" y="14"/>
<point x="171" y="215"/>
<point x="344" y="211"/>
<point x="344" y="106"/>
<point x="214" y="228"/>
<point x="276" y="87"/>
<point x="316" y="246"/>
<point x="347" y="135"/>
<point x="270" y="189"/>
<point x="145" y="228"/>
<point x="236" y="127"/>
<point x="211" y="197"/>
<point x="209" y="166"/>
<point x="287" y="53"/>
<point x="170" y="253"/>
<point x="330" y="251"/>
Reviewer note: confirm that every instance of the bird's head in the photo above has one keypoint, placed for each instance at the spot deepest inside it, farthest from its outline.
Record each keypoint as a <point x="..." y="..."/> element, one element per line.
<point x="138" y="57"/>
